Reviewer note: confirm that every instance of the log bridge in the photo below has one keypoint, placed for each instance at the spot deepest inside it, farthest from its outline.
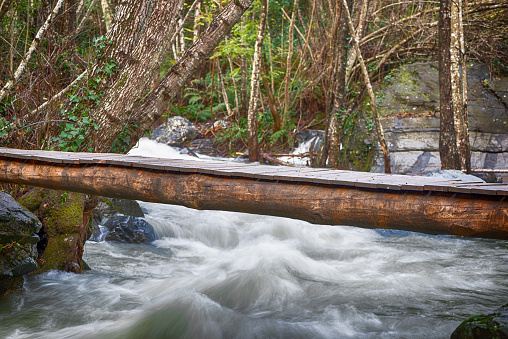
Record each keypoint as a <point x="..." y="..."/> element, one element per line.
<point x="319" y="196"/>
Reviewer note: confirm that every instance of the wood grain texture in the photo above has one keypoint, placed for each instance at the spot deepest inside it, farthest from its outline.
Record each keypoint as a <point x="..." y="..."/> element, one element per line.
<point x="420" y="211"/>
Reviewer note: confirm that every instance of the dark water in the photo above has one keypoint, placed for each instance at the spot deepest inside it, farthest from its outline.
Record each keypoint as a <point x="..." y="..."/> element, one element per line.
<point x="230" y="275"/>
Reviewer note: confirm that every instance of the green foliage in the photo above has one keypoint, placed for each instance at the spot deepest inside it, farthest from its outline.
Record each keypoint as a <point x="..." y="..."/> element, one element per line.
<point x="85" y="96"/>
<point x="123" y="141"/>
<point x="234" y="133"/>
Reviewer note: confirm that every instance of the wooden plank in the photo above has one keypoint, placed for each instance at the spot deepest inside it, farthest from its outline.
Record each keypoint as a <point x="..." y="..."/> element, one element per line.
<point x="434" y="214"/>
<point x="488" y="189"/>
<point x="275" y="173"/>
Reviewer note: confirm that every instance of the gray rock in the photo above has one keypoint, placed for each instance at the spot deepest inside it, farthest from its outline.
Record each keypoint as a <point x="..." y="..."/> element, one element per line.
<point x="111" y="206"/>
<point x="176" y="132"/>
<point x="128" y="229"/>
<point x="492" y="326"/>
<point x="18" y="243"/>
<point x="204" y="146"/>
<point x="14" y="219"/>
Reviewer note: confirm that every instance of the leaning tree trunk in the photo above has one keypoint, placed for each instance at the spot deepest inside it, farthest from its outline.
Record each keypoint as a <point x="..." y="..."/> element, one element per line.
<point x="379" y="128"/>
<point x="138" y="60"/>
<point x="252" y="116"/>
<point x="142" y="115"/>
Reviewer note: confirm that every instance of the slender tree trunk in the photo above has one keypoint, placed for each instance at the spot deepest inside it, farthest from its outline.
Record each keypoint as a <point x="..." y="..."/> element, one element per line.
<point x="69" y="18"/>
<point x="459" y="87"/>
<point x="454" y="148"/>
<point x="244" y="86"/>
<point x="106" y="11"/>
<point x="197" y="19"/>
<point x="271" y="99"/>
<point x="289" y="59"/>
<point x="231" y="69"/>
<point x="334" y="122"/>
<point x="379" y="128"/>
<point x="223" y="89"/>
<point x="252" y="115"/>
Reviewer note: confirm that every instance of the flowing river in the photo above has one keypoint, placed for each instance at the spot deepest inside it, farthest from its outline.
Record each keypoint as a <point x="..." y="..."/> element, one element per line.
<point x="214" y="274"/>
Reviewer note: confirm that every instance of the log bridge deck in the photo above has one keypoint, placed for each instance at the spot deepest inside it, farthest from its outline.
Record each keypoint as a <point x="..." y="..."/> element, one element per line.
<point x="320" y="196"/>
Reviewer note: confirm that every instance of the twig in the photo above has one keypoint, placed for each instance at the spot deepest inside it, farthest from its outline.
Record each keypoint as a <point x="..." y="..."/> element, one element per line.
<point x="8" y="86"/>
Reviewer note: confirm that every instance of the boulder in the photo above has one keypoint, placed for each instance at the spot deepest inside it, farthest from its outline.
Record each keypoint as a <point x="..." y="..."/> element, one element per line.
<point x="18" y="243"/>
<point x="492" y="326"/>
<point x="128" y="229"/>
<point x="108" y="207"/>
<point x="204" y="146"/>
<point x="65" y="219"/>
<point x="176" y="132"/>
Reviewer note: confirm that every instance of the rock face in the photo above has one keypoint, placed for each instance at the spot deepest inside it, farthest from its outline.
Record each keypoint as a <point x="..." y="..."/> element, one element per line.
<point x="176" y="132"/>
<point x="128" y="229"/>
<point x="409" y="102"/>
<point x="18" y="243"/>
<point x="65" y="217"/>
<point x="493" y="325"/>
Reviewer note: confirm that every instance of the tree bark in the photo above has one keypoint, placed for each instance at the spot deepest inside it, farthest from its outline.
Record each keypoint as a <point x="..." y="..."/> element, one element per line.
<point x="252" y="114"/>
<point x="154" y="104"/>
<point x="425" y="212"/>
<point x="379" y="128"/>
<point x="331" y="146"/>
<point x="459" y="87"/>
<point x="138" y="58"/>
<point x="454" y="149"/>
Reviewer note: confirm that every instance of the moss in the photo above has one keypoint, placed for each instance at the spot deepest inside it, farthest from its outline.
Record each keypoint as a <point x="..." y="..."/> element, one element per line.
<point x="62" y="216"/>
<point x="32" y="200"/>
<point x="65" y="216"/>
<point x="59" y="253"/>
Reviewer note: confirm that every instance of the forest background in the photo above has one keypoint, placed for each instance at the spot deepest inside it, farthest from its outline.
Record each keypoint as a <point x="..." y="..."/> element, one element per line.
<point x="96" y="75"/>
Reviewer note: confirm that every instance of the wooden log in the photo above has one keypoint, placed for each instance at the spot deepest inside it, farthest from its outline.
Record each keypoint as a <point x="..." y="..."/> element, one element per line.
<point x="419" y="211"/>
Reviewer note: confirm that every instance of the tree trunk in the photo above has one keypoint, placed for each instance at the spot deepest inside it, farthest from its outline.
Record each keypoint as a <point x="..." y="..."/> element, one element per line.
<point x="244" y="87"/>
<point x="459" y="87"/>
<point x="252" y="114"/>
<point x="331" y="148"/>
<point x="138" y="59"/>
<point x="454" y="148"/>
<point x="379" y="128"/>
<point x="154" y="104"/>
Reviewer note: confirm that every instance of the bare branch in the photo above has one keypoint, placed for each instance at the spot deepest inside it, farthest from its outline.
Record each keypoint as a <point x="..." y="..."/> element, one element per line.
<point x="10" y="84"/>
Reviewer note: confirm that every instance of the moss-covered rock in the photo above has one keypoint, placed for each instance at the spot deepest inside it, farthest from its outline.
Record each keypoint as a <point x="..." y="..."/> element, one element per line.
<point x="65" y="219"/>
<point x="18" y="241"/>
<point x="489" y="326"/>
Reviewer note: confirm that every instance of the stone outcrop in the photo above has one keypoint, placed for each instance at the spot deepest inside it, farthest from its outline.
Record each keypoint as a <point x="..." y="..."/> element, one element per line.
<point x="409" y="103"/>
<point x="176" y="132"/>
<point x="18" y="244"/>
<point x="127" y="229"/>
<point x="65" y="219"/>
<point x="493" y="325"/>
